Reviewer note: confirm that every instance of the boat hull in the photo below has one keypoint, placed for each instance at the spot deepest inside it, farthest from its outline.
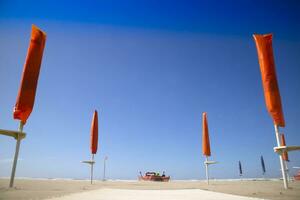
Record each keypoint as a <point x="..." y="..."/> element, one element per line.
<point x="297" y="178"/>
<point x="154" y="178"/>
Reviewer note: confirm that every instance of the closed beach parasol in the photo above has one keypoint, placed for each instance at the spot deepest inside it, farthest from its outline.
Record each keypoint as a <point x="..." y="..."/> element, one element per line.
<point x="269" y="79"/>
<point x="206" y="144"/>
<point x="31" y="71"/>
<point x="93" y="142"/>
<point x="94" y="133"/>
<point x="270" y="86"/>
<point x="205" y="136"/>
<point x="240" y="168"/>
<point x="27" y="90"/>
<point x="263" y="165"/>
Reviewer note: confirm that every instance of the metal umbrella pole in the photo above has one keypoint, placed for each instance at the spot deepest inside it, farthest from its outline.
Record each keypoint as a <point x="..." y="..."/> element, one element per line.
<point x="92" y="168"/>
<point x="104" y="168"/>
<point x="206" y="168"/>
<point x="13" y="172"/>
<point x="287" y="171"/>
<point x="284" y="176"/>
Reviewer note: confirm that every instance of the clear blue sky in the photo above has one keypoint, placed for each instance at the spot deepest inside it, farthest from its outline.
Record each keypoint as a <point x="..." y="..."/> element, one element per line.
<point x="150" y="68"/>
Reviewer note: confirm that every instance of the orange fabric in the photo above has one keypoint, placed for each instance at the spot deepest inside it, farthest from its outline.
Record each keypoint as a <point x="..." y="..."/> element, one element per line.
<point x="269" y="80"/>
<point x="282" y="142"/>
<point x="205" y="136"/>
<point x="31" y="70"/>
<point x="94" y="133"/>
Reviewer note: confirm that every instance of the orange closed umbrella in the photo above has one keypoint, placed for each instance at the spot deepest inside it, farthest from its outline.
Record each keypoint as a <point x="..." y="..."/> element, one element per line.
<point x="205" y="136"/>
<point x="285" y="156"/>
<point x="94" y="142"/>
<point x="206" y="145"/>
<point x="270" y="86"/>
<point x="94" y="133"/>
<point x="269" y="79"/>
<point x="26" y="96"/>
<point x="27" y="90"/>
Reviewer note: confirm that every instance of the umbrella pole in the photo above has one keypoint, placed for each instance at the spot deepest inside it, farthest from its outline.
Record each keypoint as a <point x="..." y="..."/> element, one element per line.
<point x="13" y="172"/>
<point x="206" y="168"/>
<point x="285" y="183"/>
<point x="287" y="171"/>
<point x="104" y="169"/>
<point x="92" y="168"/>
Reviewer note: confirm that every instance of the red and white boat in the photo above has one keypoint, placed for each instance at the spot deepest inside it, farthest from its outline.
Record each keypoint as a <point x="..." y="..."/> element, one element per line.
<point x="297" y="176"/>
<point x="152" y="176"/>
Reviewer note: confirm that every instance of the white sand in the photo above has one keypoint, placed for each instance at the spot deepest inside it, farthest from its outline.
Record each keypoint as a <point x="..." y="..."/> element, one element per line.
<point x="41" y="189"/>
<point x="123" y="194"/>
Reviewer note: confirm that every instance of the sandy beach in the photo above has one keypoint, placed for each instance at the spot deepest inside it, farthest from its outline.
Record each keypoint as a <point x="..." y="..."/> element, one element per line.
<point x="44" y="189"/>
<point x="126" y="194"/>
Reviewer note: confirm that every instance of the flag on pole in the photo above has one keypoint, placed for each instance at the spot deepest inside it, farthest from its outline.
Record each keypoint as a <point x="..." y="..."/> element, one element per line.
<point x="205" y="136"/>
<point x="94" y="133"/>
<point x="285" y="153"/>
<point x="269" y="79"/>
<point x="262" y="164"/>
<point x="31" y="70"/>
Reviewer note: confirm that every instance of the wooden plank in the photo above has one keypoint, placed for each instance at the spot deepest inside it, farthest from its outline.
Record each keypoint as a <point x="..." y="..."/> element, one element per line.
<point x="286" y="148"/>
<point x="210" y="162"/>
<point x="13" y="134"/>
<point x="88" y="162"/>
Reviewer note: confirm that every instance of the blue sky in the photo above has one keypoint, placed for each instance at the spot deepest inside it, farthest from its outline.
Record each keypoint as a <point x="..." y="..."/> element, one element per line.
<point x="150" y="69"/>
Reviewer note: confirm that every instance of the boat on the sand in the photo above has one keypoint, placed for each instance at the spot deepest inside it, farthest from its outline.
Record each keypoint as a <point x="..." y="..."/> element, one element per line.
<point x="297" y="176"/>
<point x="153" y="176"/>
